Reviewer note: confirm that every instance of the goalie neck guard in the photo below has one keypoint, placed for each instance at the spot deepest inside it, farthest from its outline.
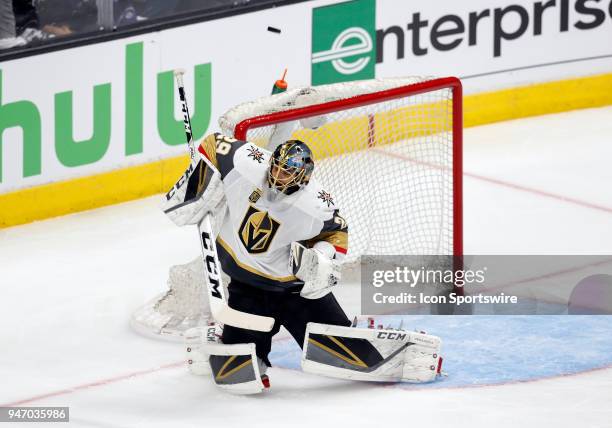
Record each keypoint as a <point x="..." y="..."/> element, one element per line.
<point x="291" y="166"/>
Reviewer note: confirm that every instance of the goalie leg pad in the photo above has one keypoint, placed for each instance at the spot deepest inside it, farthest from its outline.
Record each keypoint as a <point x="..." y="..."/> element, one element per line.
<point x="195" y="354"/>
<point x="371" y="355"/>
<point x="236" y="368"/>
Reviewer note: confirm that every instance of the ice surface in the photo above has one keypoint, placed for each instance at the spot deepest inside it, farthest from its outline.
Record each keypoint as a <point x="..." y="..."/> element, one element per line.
<point x="532" y="186"/>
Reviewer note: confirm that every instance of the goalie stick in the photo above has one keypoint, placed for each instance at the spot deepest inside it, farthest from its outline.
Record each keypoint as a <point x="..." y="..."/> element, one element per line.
<point x="214" y="284"/>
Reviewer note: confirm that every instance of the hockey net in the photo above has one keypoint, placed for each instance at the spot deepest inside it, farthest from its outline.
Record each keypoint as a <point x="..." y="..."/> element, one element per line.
<point x="387" y="150"/>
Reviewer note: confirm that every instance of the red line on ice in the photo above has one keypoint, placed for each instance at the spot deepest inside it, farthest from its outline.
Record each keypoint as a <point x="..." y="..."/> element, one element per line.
<point x="384" y="385"/>
<point x="101" y="382"/>
<point x="540" y="192"/>
<point x="514" y="186"/>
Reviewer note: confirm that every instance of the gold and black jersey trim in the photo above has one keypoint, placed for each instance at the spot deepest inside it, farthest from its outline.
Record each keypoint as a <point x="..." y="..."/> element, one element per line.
<point x="220" y="150"/>
<point x="242" y="272"/>
<point x="338" y="239"/>
<point x="208" y="148"/>
<point x="334" y="231"/>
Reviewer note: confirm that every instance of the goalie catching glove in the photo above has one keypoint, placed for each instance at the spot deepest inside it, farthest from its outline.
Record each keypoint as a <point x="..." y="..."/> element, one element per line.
<point x="319" y="272"/>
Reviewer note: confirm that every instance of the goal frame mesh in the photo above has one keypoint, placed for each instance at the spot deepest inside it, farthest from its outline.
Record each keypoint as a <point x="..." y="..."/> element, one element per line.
<point x="453" y="83"/>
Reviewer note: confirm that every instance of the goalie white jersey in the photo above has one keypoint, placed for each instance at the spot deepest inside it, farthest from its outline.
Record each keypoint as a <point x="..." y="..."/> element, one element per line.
<point x="259" y="225"/>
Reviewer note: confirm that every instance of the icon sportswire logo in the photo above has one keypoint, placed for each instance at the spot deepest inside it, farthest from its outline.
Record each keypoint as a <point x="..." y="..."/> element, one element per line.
<point x="343" y="42"/>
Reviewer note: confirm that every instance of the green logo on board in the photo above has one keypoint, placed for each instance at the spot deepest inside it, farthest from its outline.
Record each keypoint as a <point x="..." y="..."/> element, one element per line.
<point x="73" y="152"/>
<point x="343" y="38"/>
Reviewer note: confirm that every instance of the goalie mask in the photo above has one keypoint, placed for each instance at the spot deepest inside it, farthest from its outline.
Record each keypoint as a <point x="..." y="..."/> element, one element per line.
<point x="291" y="166"/>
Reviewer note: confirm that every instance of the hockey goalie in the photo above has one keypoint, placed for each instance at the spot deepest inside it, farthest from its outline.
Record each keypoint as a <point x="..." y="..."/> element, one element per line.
<point x="281" y="240"/>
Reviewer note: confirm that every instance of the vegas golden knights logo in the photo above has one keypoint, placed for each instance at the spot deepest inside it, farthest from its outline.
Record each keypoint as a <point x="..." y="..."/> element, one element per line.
<point x="257" y="230"/>
<point x="255" y="195"/>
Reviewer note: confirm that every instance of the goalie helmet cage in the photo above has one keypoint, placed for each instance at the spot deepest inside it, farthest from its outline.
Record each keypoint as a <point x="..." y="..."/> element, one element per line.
<point x="389" y="151"/>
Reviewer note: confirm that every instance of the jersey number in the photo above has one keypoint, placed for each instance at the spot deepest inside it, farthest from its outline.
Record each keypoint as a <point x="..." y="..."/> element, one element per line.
<point x="224" y="145"/>
<point x="223" y="148"/>
<point x="340" y="221"/>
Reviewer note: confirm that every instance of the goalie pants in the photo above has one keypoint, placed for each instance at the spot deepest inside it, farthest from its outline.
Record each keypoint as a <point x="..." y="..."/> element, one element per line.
<point x="289" y="310"/>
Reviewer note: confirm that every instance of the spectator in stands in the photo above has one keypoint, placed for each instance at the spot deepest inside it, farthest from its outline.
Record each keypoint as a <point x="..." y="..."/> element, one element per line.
<point x="26" y="15"/>
<point x="152" y="9"/>
<point x="68" y="16"/>
<point x="155" y="9"/>
<point x="19" y="23"/>
<point x="189" y="5"/>
<point x="8" y="33"/>
<point x="132" y="11"/>
<point x="27" y="22"/>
